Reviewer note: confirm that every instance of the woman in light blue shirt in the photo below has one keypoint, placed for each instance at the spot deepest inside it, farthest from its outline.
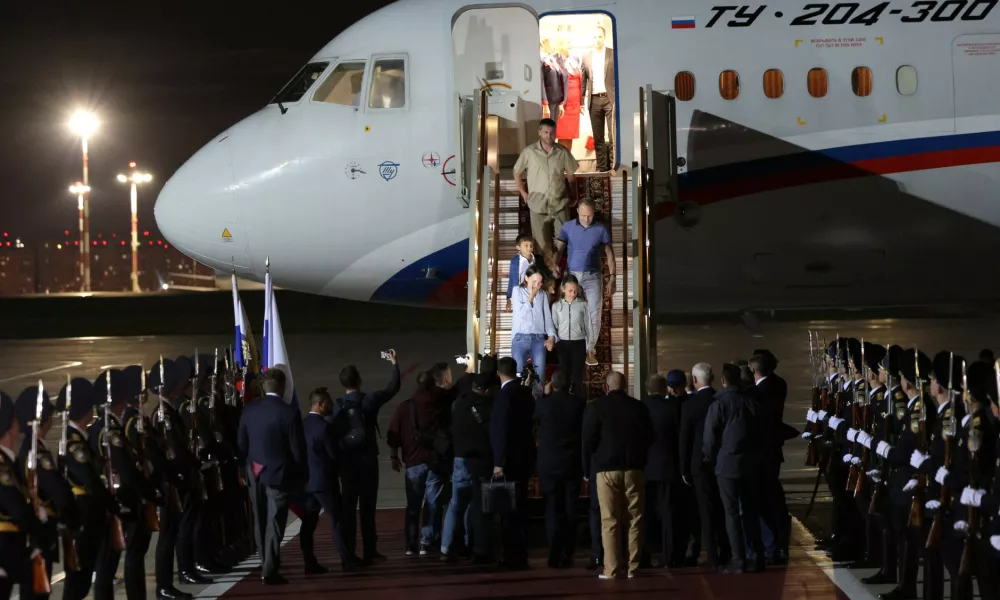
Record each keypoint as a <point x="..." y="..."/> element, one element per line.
<point x="532" y="332"/>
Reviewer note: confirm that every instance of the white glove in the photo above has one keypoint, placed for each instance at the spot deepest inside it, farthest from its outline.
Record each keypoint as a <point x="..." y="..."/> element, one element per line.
<point x="855" y="460"/>
<point x="977" y="497"/>
<point x="910" y="485"/>
<point x="933" y="504"/>
<point x="807" y="435"/>
<point x="835" y="422"/>
<point x="847" y="458"/>
<point x="877" y="478"/>
<point x="961" y="526"/>
<point x="917" y="459"/>
<point x="995" y="541"/>
<point x="966" y="498"/>
<point x="941" y="474"/>
<point x="873" y="473"/>
<point x="883" y="449"/>
<point x="865" y="440"/>
<point x="822" y="415"/>
<point x="852" y="434"/>
<point x="811" y="416"/>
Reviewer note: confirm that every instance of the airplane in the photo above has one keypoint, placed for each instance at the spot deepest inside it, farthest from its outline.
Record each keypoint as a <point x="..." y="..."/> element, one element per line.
<point x="837" y="154"/>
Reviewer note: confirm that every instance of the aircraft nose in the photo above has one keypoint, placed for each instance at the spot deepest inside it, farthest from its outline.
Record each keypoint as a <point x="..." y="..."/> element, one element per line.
<point x="197" y="210"/>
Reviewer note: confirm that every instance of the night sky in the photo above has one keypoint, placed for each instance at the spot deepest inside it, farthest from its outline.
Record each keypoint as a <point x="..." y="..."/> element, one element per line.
<point x="163" y="78"/>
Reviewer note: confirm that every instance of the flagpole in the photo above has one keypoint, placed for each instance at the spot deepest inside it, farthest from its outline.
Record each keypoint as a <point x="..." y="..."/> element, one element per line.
<point x="268" y="317"/>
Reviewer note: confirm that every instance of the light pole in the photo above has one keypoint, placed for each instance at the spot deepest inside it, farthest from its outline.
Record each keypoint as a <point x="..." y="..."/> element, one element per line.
<point x="84" y="124"/>
<point x="135" y="179"/>
<point x="80" y="191"/>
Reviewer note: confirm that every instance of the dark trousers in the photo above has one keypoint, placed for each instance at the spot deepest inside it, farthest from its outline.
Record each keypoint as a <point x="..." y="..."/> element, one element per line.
<point x="933" y="562"/>
<point x="737" y="493"/>
<point x="277" y="518"/>
<point x="48" y="540"/>
<point x="137" y="538"/>
<point x="359" y="486"/>
<point x="13" y="553"/>
<point x="572" y="360"/>
<point x="560" y="509"/>
<point x="258" y="501"/>
<point x="176" y="537"/>
<point x="713" y="518"/>
<point x="106" y="565"/>
<point x="208" y="529"/>
<point x="775" y="511"/>
<point x="330" y="502"/>
<point x="908" y="546"/>
<point x="88" y="544"/>
<point x="951" y="545"/>
<point x="657" y="523"/>
<point x="602" y="116"/>
<point x="515" y="546"/>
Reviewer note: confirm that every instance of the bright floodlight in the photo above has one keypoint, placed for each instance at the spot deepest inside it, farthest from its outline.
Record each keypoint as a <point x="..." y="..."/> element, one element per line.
<point x="122" y="178"/>
<point x="78" y="188"/>
<point x="136" y="177"/>
<point x="83" y="123"/>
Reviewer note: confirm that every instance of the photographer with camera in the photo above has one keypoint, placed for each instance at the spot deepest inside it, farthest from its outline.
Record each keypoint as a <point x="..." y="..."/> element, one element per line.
<point x="355" y="426"/>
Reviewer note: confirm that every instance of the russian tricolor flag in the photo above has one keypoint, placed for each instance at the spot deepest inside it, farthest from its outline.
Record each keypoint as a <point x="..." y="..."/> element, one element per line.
<point x="275" y="353"/>
<point x="682" y="23"/>
<point x="244" y="350"/>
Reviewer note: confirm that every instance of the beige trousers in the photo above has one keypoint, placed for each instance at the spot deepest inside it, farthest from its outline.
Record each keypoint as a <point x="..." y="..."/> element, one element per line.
<point x="545" y="228"/>
<point x="620" y="494"/>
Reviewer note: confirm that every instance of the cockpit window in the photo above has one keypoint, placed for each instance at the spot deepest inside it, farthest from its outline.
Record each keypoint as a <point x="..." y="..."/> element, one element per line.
<point x="388" y="84"/>
<point x="300" y="84"/>
<point x="343" y="85"/>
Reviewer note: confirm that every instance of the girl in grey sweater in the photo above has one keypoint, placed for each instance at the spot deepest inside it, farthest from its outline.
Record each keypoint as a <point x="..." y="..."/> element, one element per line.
<point x="574" y="330"/>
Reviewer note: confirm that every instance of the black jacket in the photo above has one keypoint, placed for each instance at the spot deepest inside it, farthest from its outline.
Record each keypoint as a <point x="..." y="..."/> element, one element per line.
<point x="470" y="422"/>
<point x="560" y="425"/>
<point x="512" y="430"/>
<point x="771" y="393"/>
<point x="733" y="434"/>
<point x="693" y="414"/>
<point x="370" y="405"/>
<point x="271" y="435"/>
<point x="321" y="453"/>
<point x="617" y="434"/>
<point x="664" y="456"/>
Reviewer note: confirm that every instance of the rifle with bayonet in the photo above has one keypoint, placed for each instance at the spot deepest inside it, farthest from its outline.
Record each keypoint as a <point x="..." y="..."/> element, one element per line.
<point x="152" y="520"/>
<point x="812" y="450"/>
<point x="917" y="505"/>
<point x="948" y="430"/>
<point x="859" y="489"/>
<point x="216" y="436"/>
<point x="975" y="477"/>
<point x="39" y="574"/>
<point x="880" y="484"/>
<point x="852" y="476"/>
<point x="836" y="402"/>
<point x="197" y="445"/>
<point x="117" y="532"/>
<point x="71" y="560"/>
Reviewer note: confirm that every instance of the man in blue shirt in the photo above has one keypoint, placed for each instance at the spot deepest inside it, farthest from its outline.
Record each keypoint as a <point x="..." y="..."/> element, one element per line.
<point x="583" y="240"/>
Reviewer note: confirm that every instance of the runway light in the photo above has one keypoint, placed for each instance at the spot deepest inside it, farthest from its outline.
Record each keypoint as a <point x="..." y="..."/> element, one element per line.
<point x="150" y="242"/>
<point x="122" y="178"/>
<point x="58" y="246"/>
<point x="123" y="242"/>
<point x="95" y="242"/>
<point x="104" y="243"/>
<point x="66" y="232"/>
<point x="145" y="233"/>
<point x="165" y="286"/>
<point x="76" y="243"/>
<point x="131" y="164"/>
<point x="159" y="242"/>
<point x="166" y="245"/>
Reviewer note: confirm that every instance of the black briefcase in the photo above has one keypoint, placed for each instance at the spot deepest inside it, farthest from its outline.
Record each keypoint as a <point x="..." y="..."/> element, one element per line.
<point x="499" y="497"/>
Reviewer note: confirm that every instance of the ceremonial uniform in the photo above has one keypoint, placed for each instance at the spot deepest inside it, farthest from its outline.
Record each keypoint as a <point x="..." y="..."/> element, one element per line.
<point x="16" y="519"/>
<point x="83" y="471"/>
<point x="54" y="494"/>
<point x="870" y="405"/>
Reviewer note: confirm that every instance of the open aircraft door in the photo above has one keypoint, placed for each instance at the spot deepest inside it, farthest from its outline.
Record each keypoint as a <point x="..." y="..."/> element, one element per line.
<point x="654" y="182"/>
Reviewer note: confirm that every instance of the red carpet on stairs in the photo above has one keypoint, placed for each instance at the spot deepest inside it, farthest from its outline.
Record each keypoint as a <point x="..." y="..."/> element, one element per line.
<point x="413" y="577"/>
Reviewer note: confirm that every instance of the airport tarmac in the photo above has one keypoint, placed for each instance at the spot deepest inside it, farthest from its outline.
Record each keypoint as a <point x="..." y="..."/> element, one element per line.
<point x="317" y="359"/>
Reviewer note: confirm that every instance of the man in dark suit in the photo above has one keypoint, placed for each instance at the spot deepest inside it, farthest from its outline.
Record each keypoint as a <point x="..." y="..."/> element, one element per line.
<point x="771" y="392"/>
<point x="733" y="439"/>
<point x="323" y="488"/>
<point x="661" y="467"/>
<point x="513" y="441"/>
<point x="560" y="424"/>
<point x="698" y="473"/>
<point x="271" y="438"/>
<point x="599" y="73"/>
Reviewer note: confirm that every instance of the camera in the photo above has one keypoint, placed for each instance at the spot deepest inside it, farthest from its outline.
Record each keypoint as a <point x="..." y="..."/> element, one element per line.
<point x="529" y="376"/>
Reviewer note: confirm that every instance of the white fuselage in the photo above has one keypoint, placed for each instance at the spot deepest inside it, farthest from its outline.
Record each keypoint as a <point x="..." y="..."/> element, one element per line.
<point x="839" y="200"/>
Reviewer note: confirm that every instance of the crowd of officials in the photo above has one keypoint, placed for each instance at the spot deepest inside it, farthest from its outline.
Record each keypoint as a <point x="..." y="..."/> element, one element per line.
<point x="909" y="448"/>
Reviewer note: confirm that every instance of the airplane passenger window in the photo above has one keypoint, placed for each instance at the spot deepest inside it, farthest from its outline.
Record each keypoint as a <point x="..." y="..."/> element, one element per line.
<point x="861" y="81"/>
<point x="774" y="83"/>
<point x="729" y="85"/>
<point x="906" y="80"/>
<point x="388" y="84"/>
<point x="343" y="85"/>
<point x="684" y="86"/>
<point x="817" y="82"/>
<point x="300" y="84"/>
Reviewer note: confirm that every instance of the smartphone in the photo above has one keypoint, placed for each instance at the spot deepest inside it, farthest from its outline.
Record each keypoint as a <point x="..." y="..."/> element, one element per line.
<point x="385" y="355"/>
<point x="462" y="359"/>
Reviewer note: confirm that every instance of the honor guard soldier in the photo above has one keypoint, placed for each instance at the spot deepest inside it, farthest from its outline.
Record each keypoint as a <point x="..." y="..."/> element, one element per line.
<point x="149" y="461"/>
<point x="17" y="523"/>
<point x="82" y="468"/>
<point x="981" y="497"/>
<point x="945" y="385"/>
<point x="168" y="381"/>
<point x="55" y="499"/>
<point x="870" y="404"/>
<point x="972" y="466"/>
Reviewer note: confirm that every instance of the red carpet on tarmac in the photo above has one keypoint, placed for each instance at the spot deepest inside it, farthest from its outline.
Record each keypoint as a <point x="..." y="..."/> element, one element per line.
<point x="415" y="577"/>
